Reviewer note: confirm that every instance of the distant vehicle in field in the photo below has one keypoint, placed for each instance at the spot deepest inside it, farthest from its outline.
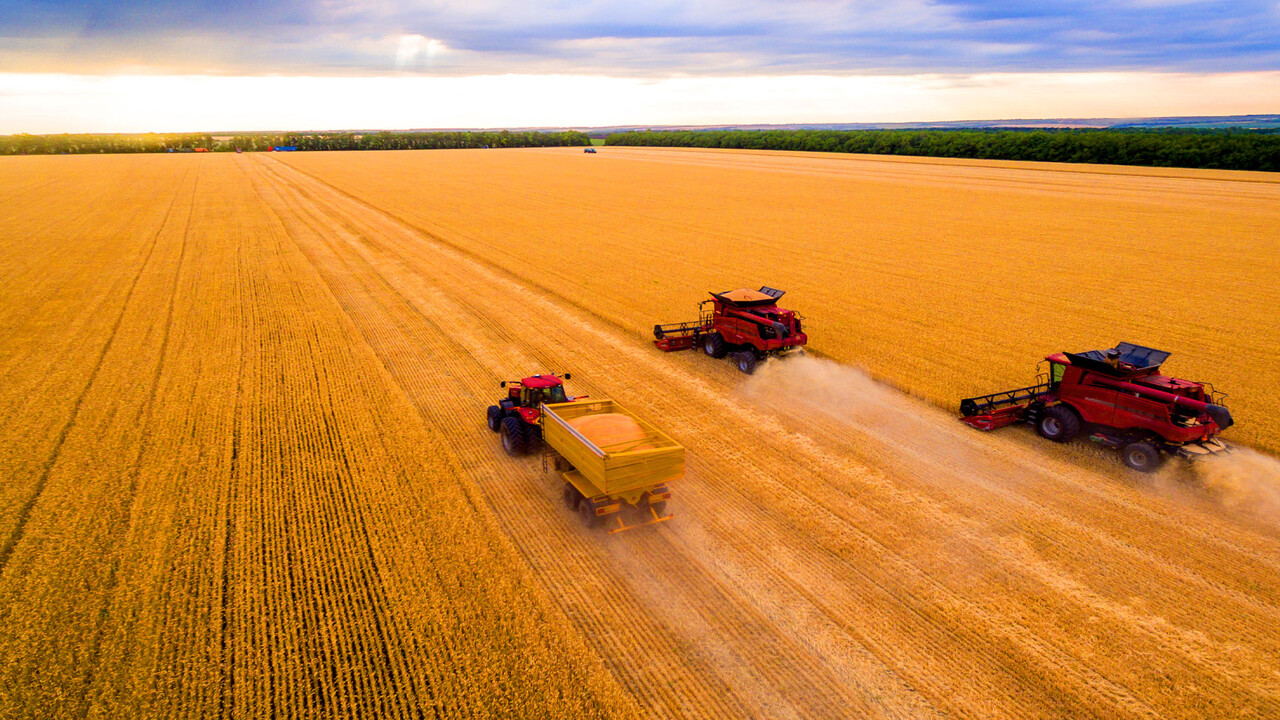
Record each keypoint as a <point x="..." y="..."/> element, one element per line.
<point x="1121" y="399"/>
<point x="745" y="324"/>
<point x="589" y="150"/>
<point x="607" y="456"/>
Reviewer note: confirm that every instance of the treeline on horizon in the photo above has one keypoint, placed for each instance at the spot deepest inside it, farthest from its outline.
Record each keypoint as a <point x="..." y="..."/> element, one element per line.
<point x="1210" y="149"/>
<point x="252" y="142"/>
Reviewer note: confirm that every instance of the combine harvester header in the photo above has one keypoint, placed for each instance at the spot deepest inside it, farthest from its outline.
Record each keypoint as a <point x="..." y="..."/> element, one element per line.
<point x="1121" y="397"/>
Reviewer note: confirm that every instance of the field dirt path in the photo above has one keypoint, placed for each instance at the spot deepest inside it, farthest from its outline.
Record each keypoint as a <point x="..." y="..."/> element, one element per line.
<point x="839" y="550"/>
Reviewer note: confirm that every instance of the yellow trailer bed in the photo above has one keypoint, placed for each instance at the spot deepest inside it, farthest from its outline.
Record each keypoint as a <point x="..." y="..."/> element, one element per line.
<point x="600" y="479"/>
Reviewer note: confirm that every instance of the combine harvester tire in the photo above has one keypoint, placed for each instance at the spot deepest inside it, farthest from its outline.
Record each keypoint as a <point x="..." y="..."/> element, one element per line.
<point x="1059" y="424"/>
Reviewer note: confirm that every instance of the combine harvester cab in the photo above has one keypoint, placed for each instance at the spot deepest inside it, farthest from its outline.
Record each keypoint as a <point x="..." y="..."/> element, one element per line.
<point x="1121" y="399"/>
<point x="746" y="325"/>
<point x="609" y="458"/>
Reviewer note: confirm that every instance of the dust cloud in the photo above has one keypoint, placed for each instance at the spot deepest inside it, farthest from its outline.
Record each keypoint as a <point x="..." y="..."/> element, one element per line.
<point x="1245" y="481"/>
<point x="841" y="391"/>
<point x="809" y="390"/>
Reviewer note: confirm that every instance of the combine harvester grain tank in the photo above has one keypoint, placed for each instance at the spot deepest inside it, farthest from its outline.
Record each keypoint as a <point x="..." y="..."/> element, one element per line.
<point x="1120" y="397"/>
<point x="612" y="462"/>
<point x="746" y="325"/>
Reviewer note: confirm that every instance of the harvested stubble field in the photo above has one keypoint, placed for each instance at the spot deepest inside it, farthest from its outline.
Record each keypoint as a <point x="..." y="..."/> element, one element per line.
<point x="246" y="472"/>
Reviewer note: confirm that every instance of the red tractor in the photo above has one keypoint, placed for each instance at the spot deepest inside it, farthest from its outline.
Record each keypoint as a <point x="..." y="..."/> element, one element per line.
<point x="516" y="416"/>
<point x="1121" y="399"/>
<point x="747" y="325"/>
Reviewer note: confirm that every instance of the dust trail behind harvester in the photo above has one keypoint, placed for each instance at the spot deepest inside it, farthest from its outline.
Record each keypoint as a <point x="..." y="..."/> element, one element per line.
<point x="807" y="386"/>
<point x="1246" y="482"/>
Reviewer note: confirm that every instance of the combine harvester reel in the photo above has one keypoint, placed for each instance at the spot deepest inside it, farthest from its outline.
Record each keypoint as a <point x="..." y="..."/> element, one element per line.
<point x="1120" y="398"/>
<point x="745" y="325"/>
<point x="609" y="459"/>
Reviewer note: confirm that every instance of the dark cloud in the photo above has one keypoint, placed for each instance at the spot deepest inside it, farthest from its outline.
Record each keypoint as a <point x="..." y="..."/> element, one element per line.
<point x="614" y="37"/>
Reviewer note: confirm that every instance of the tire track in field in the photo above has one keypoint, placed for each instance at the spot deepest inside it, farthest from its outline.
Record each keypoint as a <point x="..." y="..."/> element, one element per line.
<point x="449" y="364"/>
<point x="364" y="580"/>
<point x="463" y="420"/>
<point x="24" y="512"/>
<point x="763" y="508"/>
<point x="483" y="313"/>
<point x="144" y="418"/>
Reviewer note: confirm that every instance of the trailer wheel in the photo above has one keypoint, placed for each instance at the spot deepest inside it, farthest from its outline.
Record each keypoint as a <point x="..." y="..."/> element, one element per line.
<point x="1141" y="456"/>
<point x="713" y="345"/>
<point x="1059" y="423"/>
<point x="495" y="418"/>
<point x="659" y="507"/>
<point x="571" y="496"/>
<point x="747" y="361"/>
<point x="513" y="436"/>
<point x="587" y="510"/>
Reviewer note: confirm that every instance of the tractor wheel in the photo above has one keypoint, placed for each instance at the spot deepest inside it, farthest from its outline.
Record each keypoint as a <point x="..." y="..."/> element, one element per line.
<point x="1059" y="423"/>
<point x="495" y="418"/>
<point x="532" y="437"/>
<point x="747" y="361"/>
<point x="1141" y="456"/>
<point x="571" y="497"/>
<point x="513" y="436"/>
<point x="587" y="510"/>
<point x="713" y="345"/>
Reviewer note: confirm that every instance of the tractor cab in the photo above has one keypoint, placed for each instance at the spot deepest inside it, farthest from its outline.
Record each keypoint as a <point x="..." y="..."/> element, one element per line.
<point x="517" y="415"/>
<point x="533" y="391"/>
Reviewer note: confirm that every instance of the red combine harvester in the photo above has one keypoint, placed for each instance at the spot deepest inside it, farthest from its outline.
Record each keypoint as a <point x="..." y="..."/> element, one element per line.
<point x="1121" y="398"/>
<point x="748" y="325"/>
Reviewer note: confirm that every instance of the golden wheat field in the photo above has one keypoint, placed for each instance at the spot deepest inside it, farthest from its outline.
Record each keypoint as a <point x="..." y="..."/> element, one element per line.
<point x="246" y="471"/>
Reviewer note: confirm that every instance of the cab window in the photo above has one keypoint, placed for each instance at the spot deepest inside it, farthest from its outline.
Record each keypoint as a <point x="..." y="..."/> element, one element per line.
<point x="555" y="395"/>
<point x="532" y="397"/>
<point x="1056" y="371"/>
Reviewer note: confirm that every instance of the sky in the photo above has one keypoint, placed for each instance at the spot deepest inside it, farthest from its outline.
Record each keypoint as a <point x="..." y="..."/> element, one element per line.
<point x="187" y="65"/>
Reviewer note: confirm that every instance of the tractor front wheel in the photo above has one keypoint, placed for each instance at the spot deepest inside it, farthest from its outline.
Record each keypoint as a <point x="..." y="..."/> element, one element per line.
<point x="1141" y="456"/>
<point x="513" y="436"/>
<point x="713" y="345"/>
<point x="495" y="418"/>
<point x="1059" y="424"/>
<point x="747" y="361"/>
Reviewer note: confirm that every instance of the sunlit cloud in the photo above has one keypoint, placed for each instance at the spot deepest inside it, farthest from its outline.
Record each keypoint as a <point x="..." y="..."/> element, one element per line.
<point x="616" y="37"/>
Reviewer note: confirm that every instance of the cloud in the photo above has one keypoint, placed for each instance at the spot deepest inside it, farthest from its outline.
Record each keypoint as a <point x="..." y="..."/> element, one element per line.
<point x="612" y="37"/>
